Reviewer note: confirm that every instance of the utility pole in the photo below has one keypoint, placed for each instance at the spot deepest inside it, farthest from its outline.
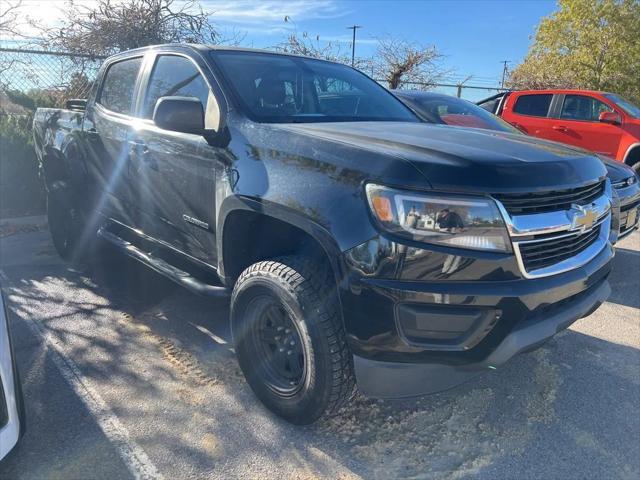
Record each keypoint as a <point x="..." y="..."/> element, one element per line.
<point x="461" y="84"/>
<point x="505" y="70"/>
<point x="353" y="43"/>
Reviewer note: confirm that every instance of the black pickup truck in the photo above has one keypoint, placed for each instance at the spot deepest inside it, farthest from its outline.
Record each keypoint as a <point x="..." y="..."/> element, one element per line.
<point x="357" y="244"/>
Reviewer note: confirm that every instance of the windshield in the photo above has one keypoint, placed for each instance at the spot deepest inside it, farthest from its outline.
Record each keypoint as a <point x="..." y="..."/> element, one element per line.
<point x="628" y="107"/>
<point x="283" y="89"/>
<point x="446" y="110"/>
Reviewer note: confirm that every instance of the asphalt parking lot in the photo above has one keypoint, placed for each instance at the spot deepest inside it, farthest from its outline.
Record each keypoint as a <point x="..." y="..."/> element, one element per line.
<point x="126" y="375"/>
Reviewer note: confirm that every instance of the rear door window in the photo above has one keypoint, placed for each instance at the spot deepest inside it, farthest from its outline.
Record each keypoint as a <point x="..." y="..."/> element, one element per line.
<point x="174" y="76"/>
<point x="119" y="85"/>
<point x="581" y="107"/>
<point x="536" y="105"/>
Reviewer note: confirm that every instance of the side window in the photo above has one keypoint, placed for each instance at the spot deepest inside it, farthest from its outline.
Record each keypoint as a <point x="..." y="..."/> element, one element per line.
<point x="536" y="105"/>
<point x="119" y="84"/>
<point x="490" y="105"/>
<point x="174" y="76"/>
<point x="581" y="107"/>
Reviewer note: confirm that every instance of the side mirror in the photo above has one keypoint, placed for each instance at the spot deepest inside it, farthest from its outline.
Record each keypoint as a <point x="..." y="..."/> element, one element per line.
<point x="610" y="117"/>
<point x="179" y="114"/>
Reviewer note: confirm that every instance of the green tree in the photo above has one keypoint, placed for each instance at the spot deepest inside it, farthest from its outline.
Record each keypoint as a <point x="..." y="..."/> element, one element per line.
<point x="590" y="44"/>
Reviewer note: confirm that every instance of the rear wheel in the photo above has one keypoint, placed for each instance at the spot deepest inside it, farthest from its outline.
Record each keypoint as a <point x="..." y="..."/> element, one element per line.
<point x="289" y="338"/>
<point x="72" y="238"/>
<point x="63" y="221"/>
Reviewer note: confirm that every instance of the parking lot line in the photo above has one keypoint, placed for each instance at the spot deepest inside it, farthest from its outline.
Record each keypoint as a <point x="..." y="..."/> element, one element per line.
<point x="210" y="334"/>
<point x="134" y="457"/>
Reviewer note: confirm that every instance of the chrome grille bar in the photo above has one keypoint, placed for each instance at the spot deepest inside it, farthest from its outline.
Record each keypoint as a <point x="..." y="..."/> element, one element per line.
<point x="554" y="242"/>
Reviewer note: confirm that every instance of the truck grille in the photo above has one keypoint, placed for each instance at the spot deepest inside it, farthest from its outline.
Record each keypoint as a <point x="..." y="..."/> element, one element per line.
<point x="545" y="252"/>
<point x="550" y="201"/>
<point x="629" y="215"/>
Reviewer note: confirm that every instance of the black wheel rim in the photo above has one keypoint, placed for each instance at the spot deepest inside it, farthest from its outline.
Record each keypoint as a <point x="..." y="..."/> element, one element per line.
<point x="277" y="346"/>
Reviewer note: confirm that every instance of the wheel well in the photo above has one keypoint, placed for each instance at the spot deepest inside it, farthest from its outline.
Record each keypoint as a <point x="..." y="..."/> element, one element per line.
<point x="633" y="156"/>
<point x="249" y="237"/>
<point x="54" y="170"/>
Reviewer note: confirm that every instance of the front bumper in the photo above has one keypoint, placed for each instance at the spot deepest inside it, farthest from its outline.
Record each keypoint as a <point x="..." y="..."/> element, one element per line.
<point x="379" y="379"/>
<point x="502" y="314"/>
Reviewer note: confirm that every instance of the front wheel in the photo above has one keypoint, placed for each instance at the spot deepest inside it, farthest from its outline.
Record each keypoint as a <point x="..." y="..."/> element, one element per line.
<point x="289" y="338"/>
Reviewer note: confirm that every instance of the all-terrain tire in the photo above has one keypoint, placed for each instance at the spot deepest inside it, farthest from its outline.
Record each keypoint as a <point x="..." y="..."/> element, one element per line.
<point x="63" y="220"/>
<point x="305" y="290"/>
<point x="73" y="239"/>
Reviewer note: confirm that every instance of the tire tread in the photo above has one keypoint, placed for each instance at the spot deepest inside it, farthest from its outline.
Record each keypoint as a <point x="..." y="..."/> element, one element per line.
<point x="311" y="282"/>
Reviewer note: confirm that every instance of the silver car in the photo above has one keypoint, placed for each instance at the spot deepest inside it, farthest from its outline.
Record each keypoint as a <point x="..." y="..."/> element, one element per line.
<point x="11" y="404"/>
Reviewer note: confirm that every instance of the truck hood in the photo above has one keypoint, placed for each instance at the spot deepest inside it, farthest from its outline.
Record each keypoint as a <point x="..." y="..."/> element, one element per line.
<point x="466" y="159"/>
<point x="617" y="171"/>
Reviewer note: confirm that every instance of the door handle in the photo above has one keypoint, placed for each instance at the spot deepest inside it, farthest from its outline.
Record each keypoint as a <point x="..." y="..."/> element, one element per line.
<point x="560" y="128"/>
<point x="139" y="151"/>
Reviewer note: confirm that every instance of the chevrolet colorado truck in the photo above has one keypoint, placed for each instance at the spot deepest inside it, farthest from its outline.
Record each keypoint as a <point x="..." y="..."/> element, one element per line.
<point x="357" y="244"/>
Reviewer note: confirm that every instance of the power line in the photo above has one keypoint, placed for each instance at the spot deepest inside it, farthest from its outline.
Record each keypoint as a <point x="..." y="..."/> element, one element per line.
<point x="353" y="43"/>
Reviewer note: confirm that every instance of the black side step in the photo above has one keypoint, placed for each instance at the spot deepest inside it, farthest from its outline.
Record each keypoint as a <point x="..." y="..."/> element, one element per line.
<point x="164" y="268"/>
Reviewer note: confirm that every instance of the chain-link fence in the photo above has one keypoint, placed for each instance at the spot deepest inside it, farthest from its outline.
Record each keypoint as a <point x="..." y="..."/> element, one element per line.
<point x="30" y="79"/>
<point x="34" y="78"/>
<point x="461" y="90"/>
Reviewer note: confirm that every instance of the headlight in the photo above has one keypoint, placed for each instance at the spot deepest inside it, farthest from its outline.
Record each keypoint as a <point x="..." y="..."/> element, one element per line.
<point x="627" y="182"/>
<point x="451" y="220"/>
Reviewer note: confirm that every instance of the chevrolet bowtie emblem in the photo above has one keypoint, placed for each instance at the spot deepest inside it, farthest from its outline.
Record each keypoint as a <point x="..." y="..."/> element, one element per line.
<point x="582" y="218"/>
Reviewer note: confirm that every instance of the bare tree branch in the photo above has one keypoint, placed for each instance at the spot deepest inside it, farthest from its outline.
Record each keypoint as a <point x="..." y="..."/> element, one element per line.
<point x="399" y="62"/>
<point x="110" y="26"/>
<point x="312" y="46"/>
<point x="9" y="23"/>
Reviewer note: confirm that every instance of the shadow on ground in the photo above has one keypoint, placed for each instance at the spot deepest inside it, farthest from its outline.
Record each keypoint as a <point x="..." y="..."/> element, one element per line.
<point x="567" y="410"/>
<point x="625" y="278"/>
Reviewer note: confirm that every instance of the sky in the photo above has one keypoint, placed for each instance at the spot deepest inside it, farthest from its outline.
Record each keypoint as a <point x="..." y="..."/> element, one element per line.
<point x="475" y="36"/>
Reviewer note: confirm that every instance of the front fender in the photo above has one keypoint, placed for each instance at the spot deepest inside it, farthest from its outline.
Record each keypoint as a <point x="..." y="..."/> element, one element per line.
<point x="317" y="181"/>
<point x="284" y="214"/>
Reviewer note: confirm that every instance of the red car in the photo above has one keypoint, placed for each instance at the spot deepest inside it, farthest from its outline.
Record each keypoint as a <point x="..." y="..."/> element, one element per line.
<point x="604" y="123"/>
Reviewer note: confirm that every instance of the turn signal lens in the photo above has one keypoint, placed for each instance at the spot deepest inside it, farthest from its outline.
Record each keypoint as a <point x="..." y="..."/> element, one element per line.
<point x="382" y="208"/>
